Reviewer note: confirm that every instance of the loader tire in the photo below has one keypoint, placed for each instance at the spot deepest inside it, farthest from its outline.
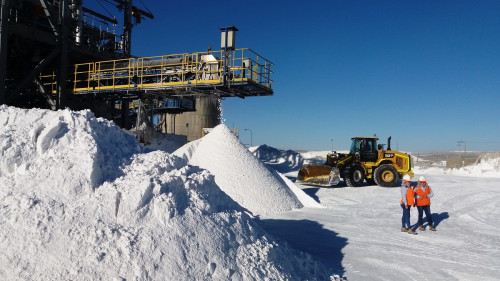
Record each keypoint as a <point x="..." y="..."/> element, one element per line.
<point x="354" y="175"/>
<point x="386" y="175"/>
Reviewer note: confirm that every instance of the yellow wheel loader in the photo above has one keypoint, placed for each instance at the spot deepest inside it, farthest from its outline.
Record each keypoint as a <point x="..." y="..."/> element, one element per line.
<point x="366" y="161"/>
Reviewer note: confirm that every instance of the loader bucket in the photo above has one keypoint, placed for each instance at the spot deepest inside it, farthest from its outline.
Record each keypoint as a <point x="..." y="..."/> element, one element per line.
<point x="319" y="174"/>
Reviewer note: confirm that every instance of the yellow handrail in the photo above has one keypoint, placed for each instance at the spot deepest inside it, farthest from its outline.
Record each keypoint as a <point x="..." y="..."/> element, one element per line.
<point x="170" y="71"/>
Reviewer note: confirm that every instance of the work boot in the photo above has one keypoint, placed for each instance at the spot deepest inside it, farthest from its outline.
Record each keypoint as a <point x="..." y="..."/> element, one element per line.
<point x="404" y="229"/>
<point x="421" y="228"/>
<point x="411" y="231"/>
<point x="431" y="228"/>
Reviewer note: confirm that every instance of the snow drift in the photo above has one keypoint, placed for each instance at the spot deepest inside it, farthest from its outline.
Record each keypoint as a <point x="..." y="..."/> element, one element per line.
<point x="80" y="200"/>
<point x="239" y="174"/>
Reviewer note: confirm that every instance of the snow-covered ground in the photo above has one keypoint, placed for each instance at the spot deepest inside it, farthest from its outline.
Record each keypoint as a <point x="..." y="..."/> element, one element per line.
<point x="357" y="232"/>
<point x="82" y="200"/>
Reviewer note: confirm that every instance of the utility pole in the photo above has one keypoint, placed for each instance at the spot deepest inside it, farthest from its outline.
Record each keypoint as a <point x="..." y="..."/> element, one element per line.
<point x="465" y="151"/>
<point x="464" y="143"/>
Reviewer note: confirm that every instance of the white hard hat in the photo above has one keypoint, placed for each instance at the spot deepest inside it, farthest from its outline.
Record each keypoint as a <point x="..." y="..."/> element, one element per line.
<point x="422" y="178"/>
<point x="406" y="178"/>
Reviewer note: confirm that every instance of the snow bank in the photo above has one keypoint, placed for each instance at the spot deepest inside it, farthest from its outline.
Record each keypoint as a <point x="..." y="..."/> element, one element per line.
<point x="79" y="201"/>
<point x="487" y="167"/>
<point x="239" y="174"/>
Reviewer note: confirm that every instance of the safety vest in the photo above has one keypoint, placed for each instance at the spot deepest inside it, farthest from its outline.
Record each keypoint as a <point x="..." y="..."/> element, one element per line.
<point x="409" y="196"/>
<point x="419" y="192"/>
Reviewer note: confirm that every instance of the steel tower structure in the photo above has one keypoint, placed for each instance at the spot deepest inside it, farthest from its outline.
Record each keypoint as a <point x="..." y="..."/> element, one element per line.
<point x="49" y="36"/>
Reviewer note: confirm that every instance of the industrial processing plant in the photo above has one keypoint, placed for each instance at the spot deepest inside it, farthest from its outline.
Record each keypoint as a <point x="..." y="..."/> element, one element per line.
<point x="60" y="54"/>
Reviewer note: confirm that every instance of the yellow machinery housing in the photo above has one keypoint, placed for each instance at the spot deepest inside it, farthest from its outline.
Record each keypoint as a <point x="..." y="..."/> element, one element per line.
<point x="365" y="161"/>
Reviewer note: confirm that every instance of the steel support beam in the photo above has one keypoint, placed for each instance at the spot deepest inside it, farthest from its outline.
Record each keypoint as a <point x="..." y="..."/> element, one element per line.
<point x="63" y="63"/>
<point x="4" y="33"/>
<point x="50" y="17"/>
<point x="140" y="11"/>
<point x="125" y="119"/>
<point x="31" y="76"/>
<point x="128" y="10"/>
<point x="101" y="16"/>
<point x="46" y="94"/>
<point x="127" y="28"/>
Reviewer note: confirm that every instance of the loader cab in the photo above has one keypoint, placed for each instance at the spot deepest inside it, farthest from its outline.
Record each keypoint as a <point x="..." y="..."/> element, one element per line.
<point x="366" y="147"/>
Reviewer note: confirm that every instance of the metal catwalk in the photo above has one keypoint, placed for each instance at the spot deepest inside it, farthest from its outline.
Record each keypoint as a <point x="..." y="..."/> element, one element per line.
<point x="246" y="74"/>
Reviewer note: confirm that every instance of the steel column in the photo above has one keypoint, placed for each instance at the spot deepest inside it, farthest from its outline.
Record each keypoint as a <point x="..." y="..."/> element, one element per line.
<point x="4" y="33"/>
<point x="125" y="113"/>
<point x="63" y="38"/>
<point x="127" y="28"/>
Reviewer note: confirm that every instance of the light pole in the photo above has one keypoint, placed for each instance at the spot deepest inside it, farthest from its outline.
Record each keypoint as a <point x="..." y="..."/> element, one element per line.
<point x="251" y="137"/>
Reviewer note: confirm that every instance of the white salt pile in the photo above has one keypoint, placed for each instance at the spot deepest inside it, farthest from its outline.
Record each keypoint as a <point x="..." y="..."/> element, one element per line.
<point x="239" y="174"/>
<point x="79" y="200"/>
<point x="50" y="149"/>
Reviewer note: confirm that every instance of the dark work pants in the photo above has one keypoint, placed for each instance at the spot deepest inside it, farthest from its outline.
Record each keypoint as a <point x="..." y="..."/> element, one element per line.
<point x="405" y="220"/>
<point x="427" y="210"/>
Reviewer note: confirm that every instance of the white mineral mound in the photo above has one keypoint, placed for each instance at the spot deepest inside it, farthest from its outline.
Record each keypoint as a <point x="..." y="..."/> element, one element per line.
<point x="80" y="201"/>
<point x="239" y="173"/>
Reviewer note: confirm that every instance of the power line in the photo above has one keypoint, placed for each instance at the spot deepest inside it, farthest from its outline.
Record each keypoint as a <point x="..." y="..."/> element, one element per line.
<point x="145" y="7"/>
<point x="99" y="2"/>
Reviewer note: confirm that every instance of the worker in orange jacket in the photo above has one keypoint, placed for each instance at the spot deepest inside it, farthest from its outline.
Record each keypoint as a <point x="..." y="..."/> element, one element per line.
<point x="407" y="200"/>
<point x="423" y="195"/>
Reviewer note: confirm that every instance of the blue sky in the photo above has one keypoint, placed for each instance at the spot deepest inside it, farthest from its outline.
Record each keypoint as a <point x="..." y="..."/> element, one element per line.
<point x="425" y="72"/>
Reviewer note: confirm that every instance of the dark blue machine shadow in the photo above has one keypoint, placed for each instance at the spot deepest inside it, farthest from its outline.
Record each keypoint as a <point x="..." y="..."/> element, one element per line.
<point x="309" y="236"/>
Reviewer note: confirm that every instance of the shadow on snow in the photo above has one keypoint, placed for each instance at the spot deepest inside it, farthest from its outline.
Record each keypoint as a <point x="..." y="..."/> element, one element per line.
<point x="438" y="218"/>
<point x="311" y="191"/>
<point x="310" y="237"/>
